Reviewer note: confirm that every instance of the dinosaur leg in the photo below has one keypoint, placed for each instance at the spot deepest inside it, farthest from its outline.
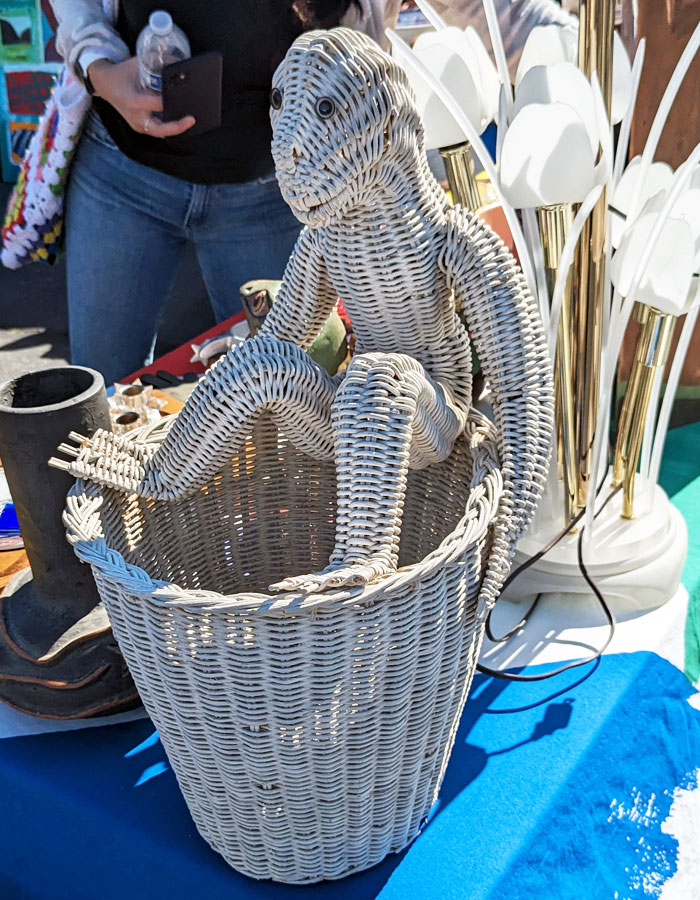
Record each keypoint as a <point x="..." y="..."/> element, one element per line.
<point x="263" y="374"/>
<point x="388" y="415"/>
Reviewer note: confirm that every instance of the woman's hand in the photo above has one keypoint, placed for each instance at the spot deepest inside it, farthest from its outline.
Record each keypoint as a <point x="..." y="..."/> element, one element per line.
<point x="119" y="85"/>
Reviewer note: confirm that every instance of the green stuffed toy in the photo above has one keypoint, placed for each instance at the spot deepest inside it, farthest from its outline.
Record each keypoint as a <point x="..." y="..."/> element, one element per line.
<point x="331" y="346"/>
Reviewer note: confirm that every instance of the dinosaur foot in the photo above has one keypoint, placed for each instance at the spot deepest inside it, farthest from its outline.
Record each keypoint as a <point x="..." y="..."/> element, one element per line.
<point x="336" y="576"/>
<point x="105" y="459"/>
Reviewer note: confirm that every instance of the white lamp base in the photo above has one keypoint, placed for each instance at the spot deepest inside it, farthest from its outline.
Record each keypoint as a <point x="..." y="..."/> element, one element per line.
<point x="636" y="563"/>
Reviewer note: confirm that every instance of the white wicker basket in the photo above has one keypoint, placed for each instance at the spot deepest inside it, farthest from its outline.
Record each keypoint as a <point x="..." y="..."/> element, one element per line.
<point x="309" y="737"/>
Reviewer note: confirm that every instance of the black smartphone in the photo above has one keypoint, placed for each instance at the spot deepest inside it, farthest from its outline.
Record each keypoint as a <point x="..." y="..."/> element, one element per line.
<point x="192" y="87"/>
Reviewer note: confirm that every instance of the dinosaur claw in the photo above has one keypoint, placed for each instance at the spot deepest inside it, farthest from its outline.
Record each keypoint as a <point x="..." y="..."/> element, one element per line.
<point x="303" y="585"/>
<point x="104" y="458"/>
<point x="332" y="578"/>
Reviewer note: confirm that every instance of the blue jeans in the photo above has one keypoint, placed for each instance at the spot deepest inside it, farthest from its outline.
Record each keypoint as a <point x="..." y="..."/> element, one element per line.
<point x="126" y="228"/>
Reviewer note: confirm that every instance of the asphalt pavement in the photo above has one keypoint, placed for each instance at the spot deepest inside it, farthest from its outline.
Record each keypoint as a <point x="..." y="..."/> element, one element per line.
<point x="34" y="317"/>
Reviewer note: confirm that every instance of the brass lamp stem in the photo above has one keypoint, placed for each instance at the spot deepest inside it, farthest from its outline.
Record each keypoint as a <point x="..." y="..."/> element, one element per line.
<point x="595" y="55"/>
<point x="555" y="222"/>
<point x="651" y="354"/>
<point x="640" y="314"/>
<point x="459" y="167"/>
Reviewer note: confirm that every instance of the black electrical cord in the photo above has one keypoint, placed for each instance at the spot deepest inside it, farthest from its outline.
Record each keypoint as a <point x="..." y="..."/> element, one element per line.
<point x="526" y="565"/>
<point x="512" y="676"/>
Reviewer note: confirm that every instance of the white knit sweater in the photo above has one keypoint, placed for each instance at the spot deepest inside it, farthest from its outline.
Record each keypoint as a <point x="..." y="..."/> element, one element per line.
<point x="83" y="24"/>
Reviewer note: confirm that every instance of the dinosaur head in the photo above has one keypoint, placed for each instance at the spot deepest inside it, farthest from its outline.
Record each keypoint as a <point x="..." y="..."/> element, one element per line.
<point x="340" y="108"/>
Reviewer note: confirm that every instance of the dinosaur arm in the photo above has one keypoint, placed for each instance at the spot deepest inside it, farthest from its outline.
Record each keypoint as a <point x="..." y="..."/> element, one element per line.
<point x="306" y="296"/>
<point x="507" y="331"/>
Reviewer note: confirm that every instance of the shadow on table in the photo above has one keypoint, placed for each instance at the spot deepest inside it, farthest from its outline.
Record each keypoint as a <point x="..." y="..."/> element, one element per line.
<point x="105" y="799"/>
<point x="469" y="760"/>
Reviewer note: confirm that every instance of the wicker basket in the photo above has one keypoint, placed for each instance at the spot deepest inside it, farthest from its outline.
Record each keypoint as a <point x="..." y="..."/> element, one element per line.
<point x="309" y="738"/>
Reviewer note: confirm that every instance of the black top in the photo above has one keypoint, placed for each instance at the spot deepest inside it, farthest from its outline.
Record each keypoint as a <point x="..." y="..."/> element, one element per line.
<point x="253" y="36"/>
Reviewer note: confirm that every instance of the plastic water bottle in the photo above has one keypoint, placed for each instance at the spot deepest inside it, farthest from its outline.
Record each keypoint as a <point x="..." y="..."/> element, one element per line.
<point x="160" y="43"/>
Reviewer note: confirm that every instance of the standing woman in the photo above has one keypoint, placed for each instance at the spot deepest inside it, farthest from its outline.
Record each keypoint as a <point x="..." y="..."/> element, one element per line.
<point x="140" y="189"/>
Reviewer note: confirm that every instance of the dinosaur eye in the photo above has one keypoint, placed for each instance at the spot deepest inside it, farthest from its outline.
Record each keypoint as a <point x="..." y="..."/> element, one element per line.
<point x="325" y="108"/>
<point x="276" y="98"/>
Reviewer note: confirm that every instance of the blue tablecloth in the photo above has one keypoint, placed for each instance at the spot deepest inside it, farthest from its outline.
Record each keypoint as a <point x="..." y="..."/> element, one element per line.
<point x="555" y="790"/>
<point x="557" y="799"/>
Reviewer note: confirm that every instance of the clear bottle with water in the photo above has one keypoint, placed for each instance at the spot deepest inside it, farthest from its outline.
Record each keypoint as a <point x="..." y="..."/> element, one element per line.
<point x="160" y="43"/>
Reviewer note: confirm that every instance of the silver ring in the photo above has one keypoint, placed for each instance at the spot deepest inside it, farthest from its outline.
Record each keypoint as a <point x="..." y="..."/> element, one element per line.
<point x="146" y="125"/>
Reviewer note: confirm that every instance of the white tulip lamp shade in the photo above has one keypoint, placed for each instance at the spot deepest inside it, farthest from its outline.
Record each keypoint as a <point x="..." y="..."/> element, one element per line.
<point x="437" y="53"/>
<point x="471" y="51"/>
<point x="470" y="47"/>
<point x="629" y="193"/>
<point x="549" y="45"/>
<point x="688" y="209"/>
<point x="668" y="274"/>
<point x="546" y="157"/>
<point x="658" y="178"/>
<point x="560" y="83"/>
<point x="490" y="82"/>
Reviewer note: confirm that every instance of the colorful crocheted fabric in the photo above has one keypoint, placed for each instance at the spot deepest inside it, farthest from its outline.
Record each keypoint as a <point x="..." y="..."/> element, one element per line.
<point x="33" y="227"/>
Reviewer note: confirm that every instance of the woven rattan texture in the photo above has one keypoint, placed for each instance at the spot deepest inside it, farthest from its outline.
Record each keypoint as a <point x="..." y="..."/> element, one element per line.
<point x="348" y="150"/>
<point x="310" y="727"/>
<point x="309" y="739"/>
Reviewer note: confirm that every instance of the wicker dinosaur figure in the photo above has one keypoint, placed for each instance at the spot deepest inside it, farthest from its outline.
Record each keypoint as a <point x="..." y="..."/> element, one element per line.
<point x="348" y="150"/>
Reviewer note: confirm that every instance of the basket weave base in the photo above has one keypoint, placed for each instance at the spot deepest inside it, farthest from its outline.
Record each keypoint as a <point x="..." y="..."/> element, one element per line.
<point x="309" y="736"/>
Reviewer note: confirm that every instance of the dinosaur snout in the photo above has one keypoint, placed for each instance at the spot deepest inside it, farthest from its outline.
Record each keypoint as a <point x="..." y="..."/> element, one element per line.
<point x="286" y="158"/>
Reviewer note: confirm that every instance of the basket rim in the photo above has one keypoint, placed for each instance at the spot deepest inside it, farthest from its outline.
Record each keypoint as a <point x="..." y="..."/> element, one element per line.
<point x="83" y="531"/>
